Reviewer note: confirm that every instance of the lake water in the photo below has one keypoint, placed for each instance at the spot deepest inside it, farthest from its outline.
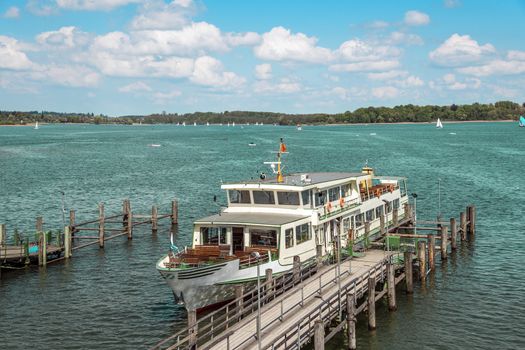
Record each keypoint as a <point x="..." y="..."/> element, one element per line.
<point x="115" y="299"/>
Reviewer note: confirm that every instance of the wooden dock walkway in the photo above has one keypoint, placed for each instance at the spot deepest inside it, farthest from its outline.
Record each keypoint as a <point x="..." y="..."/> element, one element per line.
<point x="284" y="320"/>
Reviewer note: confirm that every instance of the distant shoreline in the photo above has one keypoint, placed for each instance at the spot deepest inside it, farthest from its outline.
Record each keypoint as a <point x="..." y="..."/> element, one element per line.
<point x="304" y="124"/>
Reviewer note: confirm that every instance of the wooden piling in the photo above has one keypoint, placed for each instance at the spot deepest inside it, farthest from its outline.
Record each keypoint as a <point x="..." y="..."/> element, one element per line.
<point x="471" y="220"/>
<point x="367" y="234"/>
<point x="319" y="335"/>
<point x="101" y="225"/>
<point x="391" y="280"/>
<point x="422" y="260"/>
<point x="3" y="234"/>
<point x="444" y="242"/>
<point x="395" y="217"/>
<point x="296" y="268"/>
<point x="269" y="286"/>
<point x="453" y="234"/>
<point x="174" y="212"/>
<point x="319" y="255"/>
<point x="463" y="225"/>
<point x="192" y="329"/>
<point x="431" y="252"/>
<point x="371" y="303"/>
<point x="39" y="224"/>
<point x="350" y="321"/>
<point x="408" y="212"/>
<point x="129" y="220"/>
<point x="409" y="276"/>
<point x="42" y="249"/>
<point x="239" y="292"/>
<point x="72" y="218"/>
<point x="154" y="219"/>
<point x="382" y="224"/>
<point x="67" y="242"/>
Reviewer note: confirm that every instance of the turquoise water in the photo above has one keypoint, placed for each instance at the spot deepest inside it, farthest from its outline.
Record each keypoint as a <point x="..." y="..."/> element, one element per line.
<point x="114" y="298"/>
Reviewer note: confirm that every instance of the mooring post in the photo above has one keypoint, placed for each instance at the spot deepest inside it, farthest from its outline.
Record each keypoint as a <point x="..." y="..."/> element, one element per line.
<point x="296" y="268"/>
<point x="463" y="225"/>
<point x="129" y="220"/>
<point x="391" y="279"/>
<point x="350" y="321"/>
<point x="192" y="329"/>
<point x="39" y="224"/>
<point x="269" y="286"/>
<point x="407" y="210"/>
<point x="444" y="242"/>
<point x="319" y="335"/>
<point x="101" y="225"/>
<point x="174" y="212"/>
<point x="67" y="242"/>
<point x="395" y="217"/>
<point x="473" y="220"/>
<point x="453" y="234"/>
<point x="2" y="234"/>
<point x="469" y="220"/>
<point x="239" y="292"/>
<point x="154" y="219"/>
<point x="125" y="213"/>
<point x="409" y="276"/>
<point x="382" y="224"/>
<point x="319" y="255"/>
<point x="422" y="260"/>
<point x="42" y="250"/>
<point x="431" y="252"/>
<point x="367" y="234"/>
<point x="371" y="303"/>
<point x="72" y="219"/>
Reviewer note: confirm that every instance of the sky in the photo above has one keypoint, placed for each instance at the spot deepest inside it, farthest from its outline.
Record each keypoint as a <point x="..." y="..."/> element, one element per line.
<point x="129" y="57"/>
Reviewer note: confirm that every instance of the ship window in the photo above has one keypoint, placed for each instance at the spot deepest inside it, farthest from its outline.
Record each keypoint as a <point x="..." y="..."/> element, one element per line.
<point x="346" y="190"/>
<point x="359" y="220"/>
<point x="334" y="194"/>
<point x="288" y="238"/>
<point x="265" y="238"/>
<point x="288" y="198"/>
<point x="213" y="235"/>
<point x="379" y="211"/>
<point x="306" y="197"/>
<point x="403" y="187"/>
<point x="396" y="203"/>
<point x="388" y="207"/>
<point x="302" y="233"/>
<point x="346" y="224"/>
<point x="370" y="215"/>
<point x="320" y="198"/>
<point x="263" y="197"/>
<point x="237" y="196"/>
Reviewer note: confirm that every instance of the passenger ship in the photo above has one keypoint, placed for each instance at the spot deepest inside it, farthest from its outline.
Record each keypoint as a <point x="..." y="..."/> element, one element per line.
<point x="278" y="218"/>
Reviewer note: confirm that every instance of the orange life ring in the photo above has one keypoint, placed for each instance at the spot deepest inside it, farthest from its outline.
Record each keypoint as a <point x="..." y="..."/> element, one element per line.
<point x="378" y="193"/>
<point x="329" y="206"/>
<point x="391" y="188"/>
<point x="342" y="202"/>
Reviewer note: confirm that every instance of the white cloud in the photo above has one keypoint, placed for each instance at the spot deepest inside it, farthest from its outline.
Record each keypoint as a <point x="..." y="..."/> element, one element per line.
<point x="416" y="18"/>
<point x="11" y="55"/>
<point x="183" y="3"/>
<point x="377" y="25"/>
<point x="460" y="50"/>
<point x="238" y="39"/>
<point x="365" y="66"/>
<point x="160" y="15"/>
<point x="263" y="71"/>
<point x="93" y="5"/>
<point x="280" y="44"/>
<point x="42" y="7"/>
<point x="285" y="85"/>
<point x="516" y="55"/>
<point x="496" y="67"/>
<point x="210" y="72"/>
<point x="410" y="81"/>
<point x="387" y="75"/>
<point x="505" y="92"/>
<point x="356" y="50"/>
<point x="452" y="3"/>
<point x="385" y="92"/>
<point x="137" y="86"/>
<point x="165" y="97"/>
<point x="65" y="37"/>
<point x="450" y="82"/>
<point x="12" y="12"/>
<point x="77" y="76"/>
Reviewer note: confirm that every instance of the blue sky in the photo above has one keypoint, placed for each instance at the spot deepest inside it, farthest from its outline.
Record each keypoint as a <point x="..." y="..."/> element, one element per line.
<point x="120" y="57"/>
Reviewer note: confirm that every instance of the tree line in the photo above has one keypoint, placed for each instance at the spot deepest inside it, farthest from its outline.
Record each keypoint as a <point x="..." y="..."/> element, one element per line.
<point x="502" y="110"/>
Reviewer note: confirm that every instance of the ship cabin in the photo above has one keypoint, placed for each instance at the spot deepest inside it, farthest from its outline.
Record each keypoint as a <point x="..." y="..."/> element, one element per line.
<point x="282" y="219"/>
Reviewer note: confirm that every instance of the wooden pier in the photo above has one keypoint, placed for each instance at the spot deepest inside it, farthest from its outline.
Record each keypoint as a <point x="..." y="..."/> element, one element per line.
<point x="56" y="245"/>
<point x="317" y="301"/>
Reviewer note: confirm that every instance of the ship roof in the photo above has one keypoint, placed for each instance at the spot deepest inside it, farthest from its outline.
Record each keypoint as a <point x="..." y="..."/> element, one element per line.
<point x="263" y="219"/>
<point x="296" y="179"/>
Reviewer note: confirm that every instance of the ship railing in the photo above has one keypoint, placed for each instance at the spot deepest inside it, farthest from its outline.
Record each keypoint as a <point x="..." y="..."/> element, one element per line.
<point x="211" y="325"/>
<point x="377" y="192"/>
<point x="336" y="208"/>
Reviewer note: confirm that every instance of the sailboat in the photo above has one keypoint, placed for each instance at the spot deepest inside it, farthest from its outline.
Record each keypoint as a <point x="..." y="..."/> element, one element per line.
<point x="36" y="125"/>
<point x="522" y="121"/>
<point x="439" y="125"/>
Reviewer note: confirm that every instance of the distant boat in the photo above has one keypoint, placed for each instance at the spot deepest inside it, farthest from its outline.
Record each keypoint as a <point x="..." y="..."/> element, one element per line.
<point x="207" y="123"/>
<point x="154" y="145"/>
<point x="299" y="127"/>
<point x="439" y="125"/>
<point x="36" y="125"/>
<point x="233" y="123"/>
<point x="522" y="121"/>
<point x="251" y="144"/>
<point x="183" y="123"/>
<point x="373" y="134"/>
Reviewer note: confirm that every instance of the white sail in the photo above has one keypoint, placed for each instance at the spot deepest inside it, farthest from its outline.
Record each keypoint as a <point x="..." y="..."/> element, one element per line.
<point x="36" y="126"/>
<point x="439" y="124"/>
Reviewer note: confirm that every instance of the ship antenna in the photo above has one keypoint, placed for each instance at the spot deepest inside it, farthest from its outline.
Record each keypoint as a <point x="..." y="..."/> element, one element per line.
<point x="282" y="149"/>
